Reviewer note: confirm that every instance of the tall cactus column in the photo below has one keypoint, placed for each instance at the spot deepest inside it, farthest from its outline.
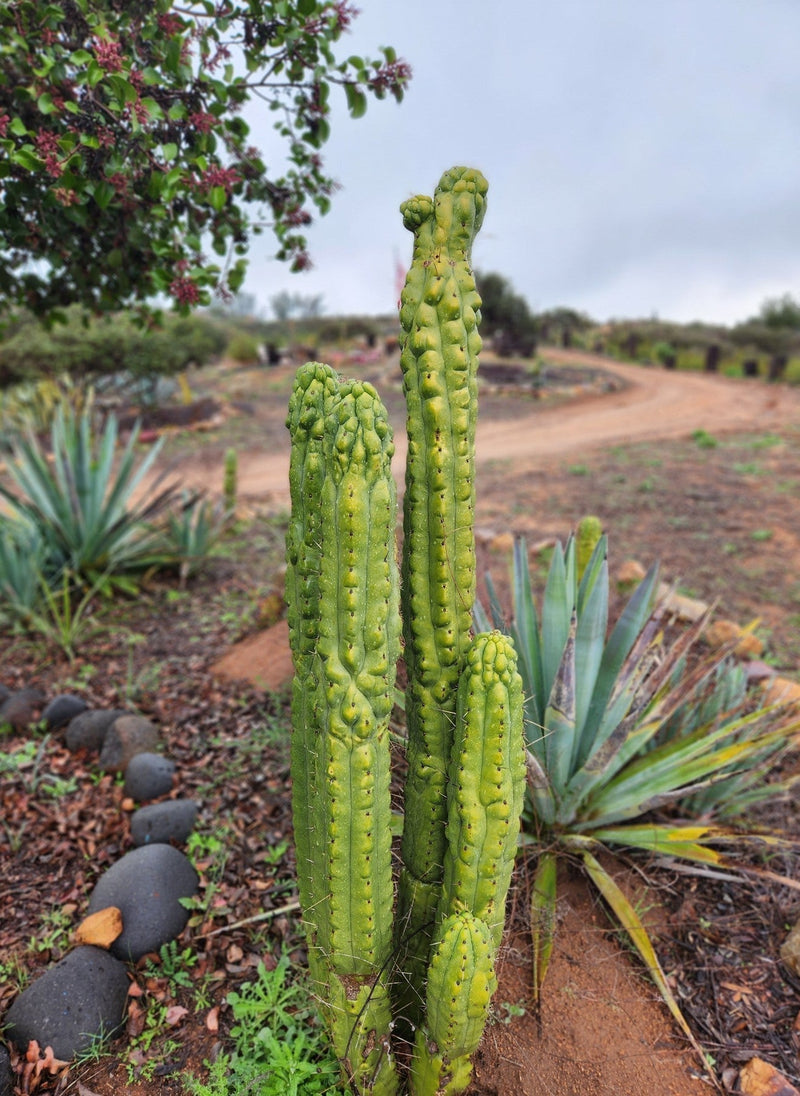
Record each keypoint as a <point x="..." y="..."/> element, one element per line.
<point x="439" y="316"/>
<point x="342" y="586"/>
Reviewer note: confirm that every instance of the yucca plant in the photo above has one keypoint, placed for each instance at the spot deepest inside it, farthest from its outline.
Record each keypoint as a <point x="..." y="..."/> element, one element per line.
<point x="619" y="727"/>
<point x="80" y="499"/>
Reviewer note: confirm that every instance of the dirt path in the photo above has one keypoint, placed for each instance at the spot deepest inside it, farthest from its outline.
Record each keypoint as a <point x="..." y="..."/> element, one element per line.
<point x="655" y="405"/>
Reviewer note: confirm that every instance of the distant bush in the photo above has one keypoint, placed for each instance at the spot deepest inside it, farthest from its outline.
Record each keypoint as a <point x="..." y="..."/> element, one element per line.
<point x="85" y="348"/>
<point x="242" y="348"/>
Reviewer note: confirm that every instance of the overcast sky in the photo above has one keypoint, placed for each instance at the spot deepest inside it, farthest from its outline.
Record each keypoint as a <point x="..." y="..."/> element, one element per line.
<point x="642" y="158"/>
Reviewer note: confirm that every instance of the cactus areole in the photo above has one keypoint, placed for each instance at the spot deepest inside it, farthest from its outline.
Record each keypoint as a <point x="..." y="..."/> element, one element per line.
<point x="427" y="966"/>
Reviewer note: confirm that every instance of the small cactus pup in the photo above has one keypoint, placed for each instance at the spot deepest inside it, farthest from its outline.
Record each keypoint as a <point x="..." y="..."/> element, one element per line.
<point x="484" y="802"/>
<point x="343" y="595"/>
<point x="587" y="537"/>
<point x="229" y="483"/>
<point x="439" y="315"/>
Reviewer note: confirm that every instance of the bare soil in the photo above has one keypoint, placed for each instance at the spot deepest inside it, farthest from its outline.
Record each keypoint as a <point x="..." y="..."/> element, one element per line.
<point x="699" y="471"/>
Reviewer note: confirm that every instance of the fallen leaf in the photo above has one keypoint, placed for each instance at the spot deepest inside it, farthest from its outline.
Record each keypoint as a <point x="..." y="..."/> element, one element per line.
<point x="175" y="1013"/>
<point x="234" y="953"/>
<point x="84" y="1091"/>
<point x="101" y="928"/>
<point x="212" y="1020"/>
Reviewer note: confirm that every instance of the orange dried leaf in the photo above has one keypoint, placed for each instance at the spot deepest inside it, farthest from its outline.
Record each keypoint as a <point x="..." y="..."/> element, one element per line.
<point x="101" y="928"/>
<point x="212" y="1020"/>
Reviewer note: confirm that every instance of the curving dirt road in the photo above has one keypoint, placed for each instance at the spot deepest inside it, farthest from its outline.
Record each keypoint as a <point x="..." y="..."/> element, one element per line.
<point x="656" y="404"/>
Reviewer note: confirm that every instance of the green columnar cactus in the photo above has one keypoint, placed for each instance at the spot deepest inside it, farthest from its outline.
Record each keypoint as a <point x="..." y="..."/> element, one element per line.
<point x="463" y="795"/>
<point x="229" y="482"/>
<point x="439" y="315"/>
<point x="342" y="586"/>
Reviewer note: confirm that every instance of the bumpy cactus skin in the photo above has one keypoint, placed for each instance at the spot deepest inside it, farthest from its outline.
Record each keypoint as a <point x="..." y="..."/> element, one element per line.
<point x="461" y="981"/>
<point x="439" y="314"/>
<point x="342" y="588"/>
<point x="465" y="783"/>
<point x="487" y="784"/>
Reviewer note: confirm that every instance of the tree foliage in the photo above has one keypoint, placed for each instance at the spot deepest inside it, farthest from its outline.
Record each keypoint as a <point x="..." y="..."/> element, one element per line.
<point x="780" y="313"/>
<point x="506" y="315"/>
<point x="124" y="155"/>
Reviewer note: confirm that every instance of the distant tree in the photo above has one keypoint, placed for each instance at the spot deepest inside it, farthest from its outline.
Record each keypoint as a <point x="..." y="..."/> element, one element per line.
<point x="780" y="313"/>
<point x="506" y="315"/>
<point x="289" y="306"/>
<point x="124" y="156"/>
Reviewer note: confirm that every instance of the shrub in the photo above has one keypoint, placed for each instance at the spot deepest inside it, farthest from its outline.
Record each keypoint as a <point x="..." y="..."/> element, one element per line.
<point x="242" y="348"/>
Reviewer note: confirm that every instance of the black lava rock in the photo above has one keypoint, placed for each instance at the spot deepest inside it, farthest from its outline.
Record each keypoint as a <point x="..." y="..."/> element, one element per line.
<point x="146" y="885"/>
<point x="148" y="776"/>
<point x="87" y="731"/>
<point x="127" y="736"/>
<point x="80" y="999"/>
<point x="7" y="1079"/>
<point x="161" y="823"/>
<point x="22" y="708"/>
<point x="62" y="709"/>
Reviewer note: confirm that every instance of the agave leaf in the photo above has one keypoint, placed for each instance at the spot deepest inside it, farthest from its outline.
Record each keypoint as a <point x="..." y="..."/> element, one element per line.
<point x="623" y="636"/>
<point x="557" y="609"/>
<point x="654" y="778"/>
<point x="637" y="933"/>
<point x="559" y="720"/>
<point x="525" y="633"/>
<point x="541" y="790"/>
<point x="593" y="570"/>
<point x="589" y="643"/>
<point x="543" y="918"/>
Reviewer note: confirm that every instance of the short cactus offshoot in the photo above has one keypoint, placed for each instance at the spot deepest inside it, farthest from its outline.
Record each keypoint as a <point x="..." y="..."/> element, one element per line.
<point x="430" y="964"/>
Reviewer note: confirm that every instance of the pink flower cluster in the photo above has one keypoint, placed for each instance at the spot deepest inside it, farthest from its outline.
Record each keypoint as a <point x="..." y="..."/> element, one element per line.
<point x="170" y="24"/>
<point x="390" y="75"/>
<point x="226" y="177"/>
<point x="108" y="54"/>
<point x="4" y="120"/>
<point x="47" y="147"/>
<point x="202" y="121"/>
<point x="185" y="291"/>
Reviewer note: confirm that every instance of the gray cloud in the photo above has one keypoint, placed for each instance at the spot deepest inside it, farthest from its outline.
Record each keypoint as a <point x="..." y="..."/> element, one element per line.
<point x="641" y="157"/>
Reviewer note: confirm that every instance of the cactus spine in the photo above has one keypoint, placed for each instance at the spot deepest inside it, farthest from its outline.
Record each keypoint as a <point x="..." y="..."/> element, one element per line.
<point x="463" y="793"/>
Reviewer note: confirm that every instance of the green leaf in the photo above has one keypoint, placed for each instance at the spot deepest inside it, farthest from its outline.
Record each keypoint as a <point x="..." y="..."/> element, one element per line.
<point x="80" y="57"/>
<point x="543" y="918"/>
<point x="103" y="194"/>
<point x="17" y="127"/>
<point x="356" y="101"/>
<point x="217" y="198"/>
<point x="169" y="151"/>
<point x="45" y="103"/>
<point x="27" y="159"/>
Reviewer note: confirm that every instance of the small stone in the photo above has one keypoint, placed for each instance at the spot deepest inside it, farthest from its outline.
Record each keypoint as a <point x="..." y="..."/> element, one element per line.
<point x="80" y="999"/>
<point x="22" y="708"/>
<point x="721" y="632"/>
<point x="88" y="730"/>
<point x="148" y="776"/>
<point x="687" y="609"/>
<point x="749" y="646"/>
<point x="146" y="885"/>
<point x="62" y="709"/>
<point x="503" y="542"/>
<point x="162" y="823"/>
<point x="759" y="1078"/>
<point x="629" y="575"/>
<point x="758" y="671"/>
<point x="790" y="950"/>
<point x="127" y="736"/>
<point x="781" y="690"/>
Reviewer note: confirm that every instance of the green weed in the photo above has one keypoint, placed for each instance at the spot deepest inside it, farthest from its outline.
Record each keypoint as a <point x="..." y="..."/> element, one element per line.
<point x="280" y="1047"/>
<point x="760" y="535"/>
<point x="704" y="440"/>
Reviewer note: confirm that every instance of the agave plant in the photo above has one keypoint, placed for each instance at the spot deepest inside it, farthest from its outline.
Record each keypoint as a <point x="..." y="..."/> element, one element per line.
<point x="80" y="501"/>
<point x="188" y="535"/>
<point x="619" y="727"/>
